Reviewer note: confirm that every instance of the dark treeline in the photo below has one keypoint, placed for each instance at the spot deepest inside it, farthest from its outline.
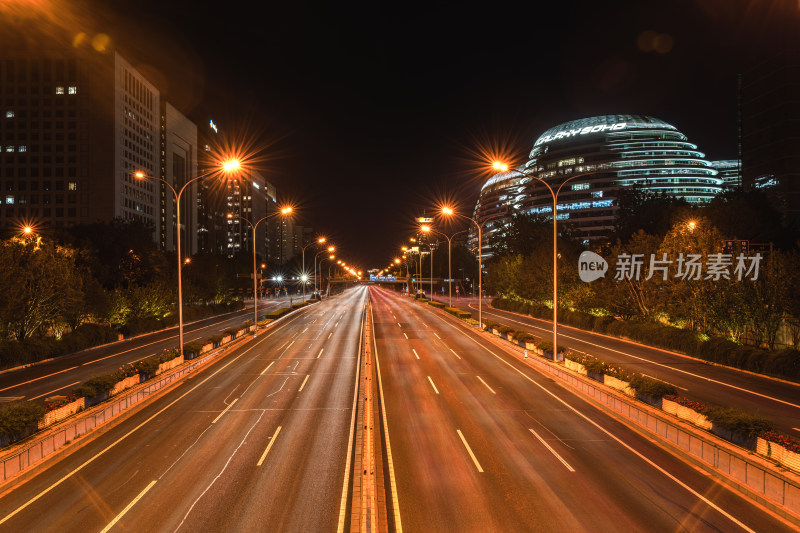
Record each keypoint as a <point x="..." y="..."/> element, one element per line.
<point x="761" y="312"/>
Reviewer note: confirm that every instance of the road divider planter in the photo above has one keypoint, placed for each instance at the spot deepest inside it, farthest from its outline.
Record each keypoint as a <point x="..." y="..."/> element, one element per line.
<point x="686" y="409"/>
<point x="779" y="448"/>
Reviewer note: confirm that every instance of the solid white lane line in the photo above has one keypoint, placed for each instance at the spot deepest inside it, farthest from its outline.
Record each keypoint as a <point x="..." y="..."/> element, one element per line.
<point x="415" y="353"/>
<point x="346" y="481"/>
<point x="37" y="379"/>
<point x="304" y="383"/>
<point x="320" y="352"/>
<point x="552" y="450"/>
<point x="128" y="508"/>
<point x="454" y="353"/>
<point x="392" y="480"/>
<point x="224" y="411"/>
<point x="667" y="382"/>
<point x="265" y="370"/>
<point x="487" y="385"/>
<point x="404" y="334"/>
<point x="432" y="385"/>
<point x="54" y="390"/>
<point x="617" y="439"/>
<point x="657" y="364"/>
<point x="271" y="442"/>
<point x="474" y="459"/>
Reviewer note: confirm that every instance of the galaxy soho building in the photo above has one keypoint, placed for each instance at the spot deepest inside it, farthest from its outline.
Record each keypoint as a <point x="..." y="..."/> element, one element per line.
<point x="608" y="152"/>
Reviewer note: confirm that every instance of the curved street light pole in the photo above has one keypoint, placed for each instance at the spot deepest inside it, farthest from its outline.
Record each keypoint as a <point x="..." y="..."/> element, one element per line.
<point x="228" y="166"/>
<point x="320" y="240"/>
<point x="554" y="194"/>
<point x="286" y="211"/>
<point x="449" y="211"/>
<point x="329" y="249"/>
<point x="449" y="260"/>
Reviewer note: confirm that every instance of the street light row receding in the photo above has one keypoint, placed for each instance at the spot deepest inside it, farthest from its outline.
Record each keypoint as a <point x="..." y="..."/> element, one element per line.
<point x="285" y="211"/>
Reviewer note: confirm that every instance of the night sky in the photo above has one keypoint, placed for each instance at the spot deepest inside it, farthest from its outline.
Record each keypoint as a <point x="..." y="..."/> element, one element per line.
<point x="368" y="114"/>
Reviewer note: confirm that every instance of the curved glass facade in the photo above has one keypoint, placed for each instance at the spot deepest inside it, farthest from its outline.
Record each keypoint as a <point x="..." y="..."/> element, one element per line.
<point x="591" y="159"/>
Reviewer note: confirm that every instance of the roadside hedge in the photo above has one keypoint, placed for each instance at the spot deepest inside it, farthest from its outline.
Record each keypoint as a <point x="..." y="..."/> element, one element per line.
<point x="278" y="313"/>
<point x="18" y="420"/>
<point x="783" y="363"/>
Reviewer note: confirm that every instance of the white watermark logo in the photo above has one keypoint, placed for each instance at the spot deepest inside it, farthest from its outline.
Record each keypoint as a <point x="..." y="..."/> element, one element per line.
<point x="591" y="266"/>
<point x="686" y="267"/>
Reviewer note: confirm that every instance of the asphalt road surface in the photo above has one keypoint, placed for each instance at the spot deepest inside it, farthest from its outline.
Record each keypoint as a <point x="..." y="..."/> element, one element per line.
<point x="256" y="442"/>
<point x="777" y="400"/>
<point x="59" y="375"/>
<point x="481" y="442"/>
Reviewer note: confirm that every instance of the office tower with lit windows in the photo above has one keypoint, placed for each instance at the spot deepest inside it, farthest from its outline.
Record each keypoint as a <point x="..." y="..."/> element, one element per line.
<point x="75" y="124"/>
<point x="178" y="167"/>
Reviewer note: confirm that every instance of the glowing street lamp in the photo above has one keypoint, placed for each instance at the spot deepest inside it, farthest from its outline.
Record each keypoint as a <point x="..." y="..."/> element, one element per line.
<point x="503" y="167"/>
<point x="330" y="249"/>
<point x="226" y="167"/>
<point x="449" y="259"/>
<point x="320" y="240"/>
<point x="286" y="211"/>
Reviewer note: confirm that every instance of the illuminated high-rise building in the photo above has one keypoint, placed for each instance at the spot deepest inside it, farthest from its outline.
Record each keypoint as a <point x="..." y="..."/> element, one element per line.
<point x="608" y="153"/>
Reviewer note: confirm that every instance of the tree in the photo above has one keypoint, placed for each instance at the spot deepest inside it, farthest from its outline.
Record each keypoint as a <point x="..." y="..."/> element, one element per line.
<point x="642" y="210"/>
<point x="41" y="285"/>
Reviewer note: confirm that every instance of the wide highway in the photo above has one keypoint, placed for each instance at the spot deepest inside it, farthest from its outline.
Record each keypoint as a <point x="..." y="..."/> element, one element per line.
<point x="255" y="442"/>
<point x="481" y="442"/>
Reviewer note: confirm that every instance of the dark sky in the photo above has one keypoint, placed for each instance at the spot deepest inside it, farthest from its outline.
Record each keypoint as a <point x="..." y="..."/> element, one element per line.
<point x="368" y="113"/>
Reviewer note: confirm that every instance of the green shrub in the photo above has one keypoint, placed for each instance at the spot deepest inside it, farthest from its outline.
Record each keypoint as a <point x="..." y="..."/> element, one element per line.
<point x="193" y="347"/>
<point x="505" y="330"/>
<point x="97" y="386"/>
<point x="653" y="388"/>
<point x="147" y="367"/>
<point x="19" y="420"/>
<point x="524" y="336"/>
<point x="737" y="421"/>
<point x="298" y="305"/>
<point x="434" y="303"/>
<point x="595" y="366"/>
<point x="278" y="313"/>
<point x="490" y="324"/>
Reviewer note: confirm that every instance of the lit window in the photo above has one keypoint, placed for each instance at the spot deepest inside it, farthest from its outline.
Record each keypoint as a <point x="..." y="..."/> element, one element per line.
<point x="9" y="114"/>
<point x="59" y="90"/>
<point x="10" y="199"/>
<point x="597" y="194"/>
<point x="22" y="148"/>
<point x="72" y="186"/>
<point x="72" y="90"/>
<point x="9" y="148"/>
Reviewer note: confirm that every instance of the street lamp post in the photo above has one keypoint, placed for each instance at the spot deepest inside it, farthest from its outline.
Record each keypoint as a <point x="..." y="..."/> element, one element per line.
<point x="227" y="167"/>
<point x="330" y="249"/>
<point x="503" y="167"/>
<point x="450" y="212"/>
<point x="427" y="229"/>
<point x="320" y="240"/>
<point x="286" y="211"/>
